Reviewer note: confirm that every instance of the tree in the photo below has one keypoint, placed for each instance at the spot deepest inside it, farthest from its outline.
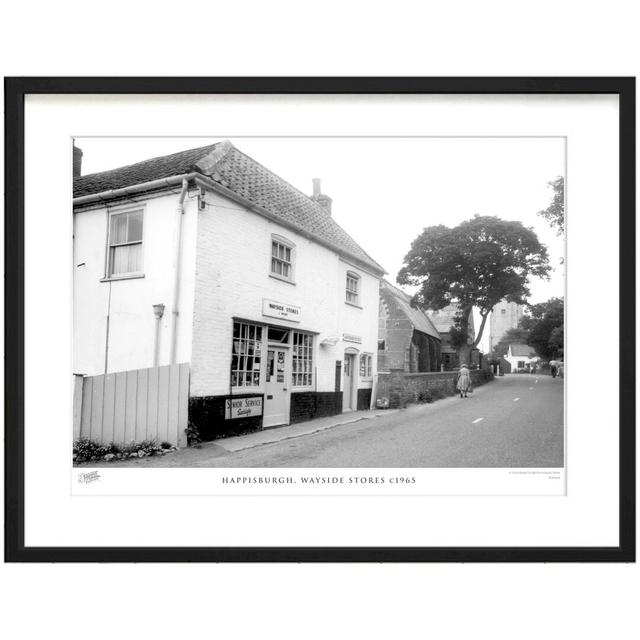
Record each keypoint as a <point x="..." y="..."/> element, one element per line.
<point x="554" y="213"/>
<point x="546" y="328"/>
<point x="512" y="336"/>
<point x="476" y="264"/>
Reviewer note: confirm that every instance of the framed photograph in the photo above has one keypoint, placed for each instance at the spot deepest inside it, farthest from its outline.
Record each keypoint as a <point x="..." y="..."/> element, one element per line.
<point x="320" y="319"/>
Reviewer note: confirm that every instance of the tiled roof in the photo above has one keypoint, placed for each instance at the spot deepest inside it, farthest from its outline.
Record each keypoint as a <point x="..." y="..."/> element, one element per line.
<point x="243" y="176"/>
<point x="154" y="169"/>
<point x="444" y="319"/>
<point x="417" y="317"/>
<point x="521" y="350"/>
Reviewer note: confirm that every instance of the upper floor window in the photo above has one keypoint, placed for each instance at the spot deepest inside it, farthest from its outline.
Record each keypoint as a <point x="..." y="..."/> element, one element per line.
<point x="125" y="243"/>
<point x="282" y="257"/>
<point x="353" y="288"/>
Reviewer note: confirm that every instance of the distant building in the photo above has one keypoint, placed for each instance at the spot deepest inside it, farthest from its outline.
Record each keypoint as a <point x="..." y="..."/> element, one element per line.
<point x="407" y="339"/>
<point x="504" y="316"/>
<point x="519" y="356"/>
<point x="443" y="319"/>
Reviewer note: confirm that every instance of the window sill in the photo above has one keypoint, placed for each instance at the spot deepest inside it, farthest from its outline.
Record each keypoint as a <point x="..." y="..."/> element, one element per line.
<point x="352" y="304"/>
<point x="123" y="276"/>
<point x="275" y="276"/>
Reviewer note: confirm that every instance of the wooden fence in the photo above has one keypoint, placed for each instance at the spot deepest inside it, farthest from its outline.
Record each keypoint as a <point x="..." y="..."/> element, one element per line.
<point x="133" y="405"/>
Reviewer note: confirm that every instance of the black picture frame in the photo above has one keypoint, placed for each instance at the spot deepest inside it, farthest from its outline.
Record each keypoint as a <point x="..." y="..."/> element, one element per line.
<point x="15" y="91"/>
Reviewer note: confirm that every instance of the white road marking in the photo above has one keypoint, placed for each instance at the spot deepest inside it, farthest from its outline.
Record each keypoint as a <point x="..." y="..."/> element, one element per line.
<point x="477" y="420"/>
<point x="516" y="399"/>
<point x="530" y="388"/>
<point x="536" y="380"/>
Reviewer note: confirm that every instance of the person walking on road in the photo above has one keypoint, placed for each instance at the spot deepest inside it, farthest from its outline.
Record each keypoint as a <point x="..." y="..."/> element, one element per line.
<point x="464" y="380"/>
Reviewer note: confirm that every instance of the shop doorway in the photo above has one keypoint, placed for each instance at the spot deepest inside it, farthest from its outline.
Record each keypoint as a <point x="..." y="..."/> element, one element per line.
<point x="276" y="388"/>
<point x="348" y="392"/>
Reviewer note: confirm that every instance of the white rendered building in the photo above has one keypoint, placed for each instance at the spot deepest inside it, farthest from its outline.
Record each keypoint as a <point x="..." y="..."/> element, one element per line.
<point x="207" y="257"/>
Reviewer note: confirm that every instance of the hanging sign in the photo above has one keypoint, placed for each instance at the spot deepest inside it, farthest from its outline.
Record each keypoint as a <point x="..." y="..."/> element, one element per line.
<point x="243" y="407"/>
<point x="275" y="309"/>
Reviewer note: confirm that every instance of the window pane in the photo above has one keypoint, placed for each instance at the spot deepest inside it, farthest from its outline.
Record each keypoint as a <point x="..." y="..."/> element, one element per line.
<point x="118" y="229"/>
<point x="135" y="227"/>
<point x="126" y="259"/>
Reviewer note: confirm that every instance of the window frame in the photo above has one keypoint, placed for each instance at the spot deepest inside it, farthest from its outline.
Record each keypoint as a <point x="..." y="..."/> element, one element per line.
<point x="295" y="358"/>
<point x="288" y="244"/>
<point x="368" y="369"/>
<point x="261" y="355"/>
<point x="129" y="275"/>
<point x="352" y="275"/>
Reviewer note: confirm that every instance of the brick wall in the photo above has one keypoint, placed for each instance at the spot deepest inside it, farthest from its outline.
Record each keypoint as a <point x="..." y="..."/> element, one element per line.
<point x="207" y="414"/>
<point x="407" y="388"/>
<point x="396" y="331"/>
<point x="307" y="405"/>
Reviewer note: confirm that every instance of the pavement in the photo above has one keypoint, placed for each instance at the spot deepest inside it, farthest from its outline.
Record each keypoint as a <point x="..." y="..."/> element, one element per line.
<point x="514" y="421"/>
<point x="277" y="434"/>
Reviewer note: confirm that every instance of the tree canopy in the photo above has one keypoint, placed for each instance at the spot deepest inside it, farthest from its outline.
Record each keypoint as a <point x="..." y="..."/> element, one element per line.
<point x="554" y="213"/>
<point x="516" y="335"/>
<point x="475" y="264"/>
<point x="545" y="325"/>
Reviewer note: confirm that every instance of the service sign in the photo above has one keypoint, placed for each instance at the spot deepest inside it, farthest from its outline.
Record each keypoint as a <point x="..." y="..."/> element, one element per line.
<point x="243" y="407"/>
<point x="275" y="309"/>
<point x="350" y="337"/>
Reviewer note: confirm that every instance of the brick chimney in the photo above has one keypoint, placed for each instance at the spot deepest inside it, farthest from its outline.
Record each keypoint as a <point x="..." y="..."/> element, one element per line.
<point x="323" y="200"/>
<point x="77" y="162"/>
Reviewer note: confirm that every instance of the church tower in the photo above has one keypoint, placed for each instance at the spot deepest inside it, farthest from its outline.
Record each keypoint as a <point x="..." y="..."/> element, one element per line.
<point x="504" y="316"/>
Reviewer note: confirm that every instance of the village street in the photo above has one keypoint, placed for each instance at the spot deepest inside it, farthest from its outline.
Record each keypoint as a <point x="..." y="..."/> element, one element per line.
<point x="514" y="421"/>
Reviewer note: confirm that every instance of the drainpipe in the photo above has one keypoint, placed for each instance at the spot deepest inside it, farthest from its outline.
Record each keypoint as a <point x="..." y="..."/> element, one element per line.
<point x="176" y="286"/>
<point x="158" y="312"/>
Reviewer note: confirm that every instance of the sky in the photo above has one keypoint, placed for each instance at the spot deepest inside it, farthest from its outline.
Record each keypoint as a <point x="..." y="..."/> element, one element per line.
<point x="386" y="190"/>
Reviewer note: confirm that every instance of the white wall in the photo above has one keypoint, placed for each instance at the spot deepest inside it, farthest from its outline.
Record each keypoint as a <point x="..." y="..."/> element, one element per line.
<point x="128" y="303"/>
<point x="232" y="279"/>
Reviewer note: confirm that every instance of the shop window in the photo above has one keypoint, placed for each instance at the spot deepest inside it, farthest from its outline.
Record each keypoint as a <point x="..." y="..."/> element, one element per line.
<point x="353" y="288"/>
<point x="246" y="357"/>
<point x="365" y="365"/>
<point x="302" y="360"/>
<point x="282" y="257"/>
<point x="276" y="334"/>
<point x="125" y="243"/>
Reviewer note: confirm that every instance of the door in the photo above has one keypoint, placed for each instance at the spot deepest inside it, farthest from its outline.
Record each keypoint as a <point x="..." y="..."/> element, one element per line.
<point x="347" y="386"/>
<point x="276" y="388"/>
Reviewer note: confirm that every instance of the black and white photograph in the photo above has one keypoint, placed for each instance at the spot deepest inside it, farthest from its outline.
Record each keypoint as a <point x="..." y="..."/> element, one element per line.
<point x="319" y="302"/>
<point x="365" y="318"/>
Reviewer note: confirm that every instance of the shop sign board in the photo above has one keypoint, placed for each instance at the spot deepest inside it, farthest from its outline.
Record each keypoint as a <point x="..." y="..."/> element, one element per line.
<point x="350" y="337"/>
<point x="275" y="309"/>
<point x="243" y="407"/>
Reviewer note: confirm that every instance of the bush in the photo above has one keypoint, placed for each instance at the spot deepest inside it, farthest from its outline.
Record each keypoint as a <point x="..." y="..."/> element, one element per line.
<point x="87" y="450"/>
